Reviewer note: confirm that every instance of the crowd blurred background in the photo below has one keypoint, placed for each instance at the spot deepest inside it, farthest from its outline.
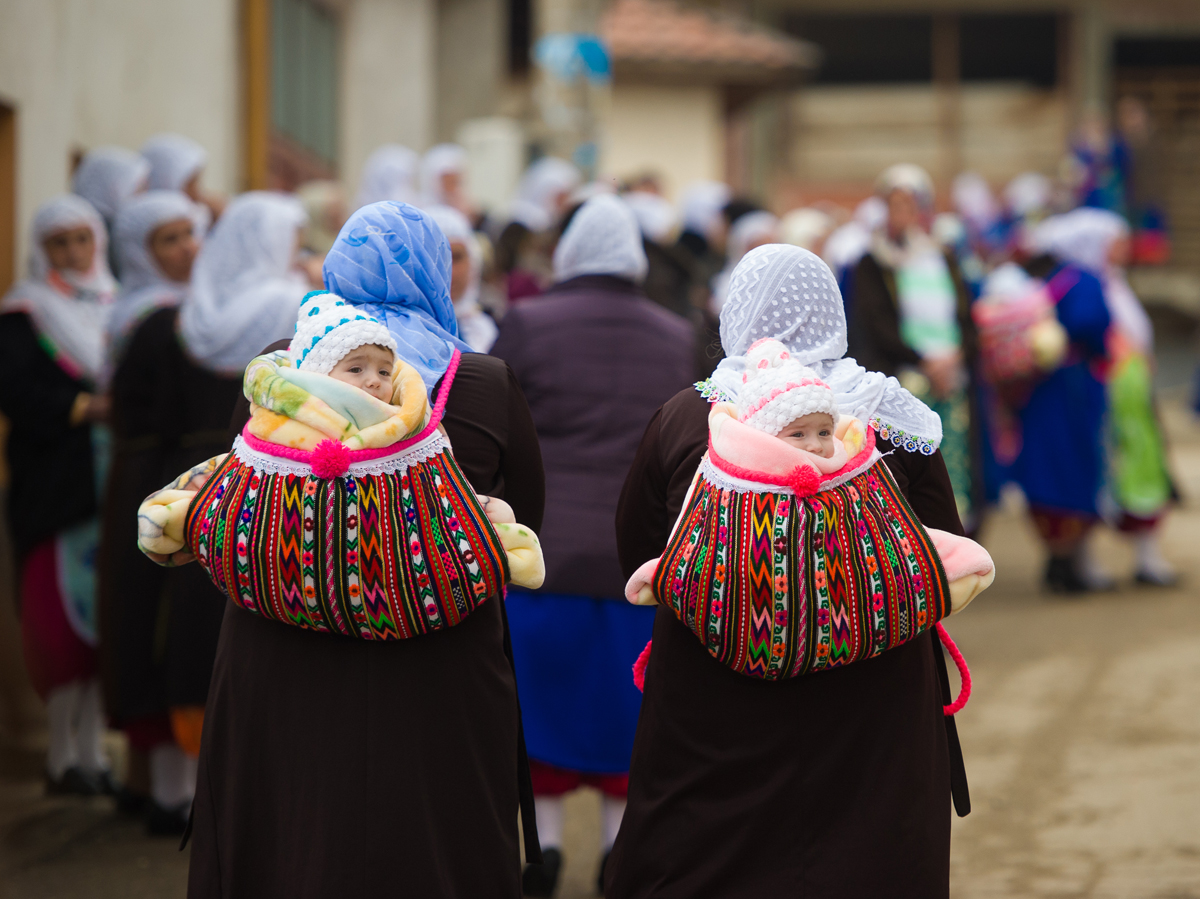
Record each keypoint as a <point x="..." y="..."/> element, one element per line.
<point x="950" y="160"/>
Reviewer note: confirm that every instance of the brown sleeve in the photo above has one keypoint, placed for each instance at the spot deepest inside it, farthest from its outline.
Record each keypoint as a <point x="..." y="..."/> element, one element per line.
<point x="925" y="482"/>
<point x="521" y="465"/>
<point x="662" y="470"/>
<point x="241" y="411"/>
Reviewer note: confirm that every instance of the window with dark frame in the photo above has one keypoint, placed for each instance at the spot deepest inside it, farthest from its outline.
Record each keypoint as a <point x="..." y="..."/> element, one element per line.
<point x="897" y="49"/>
<point x="520" y="36"/>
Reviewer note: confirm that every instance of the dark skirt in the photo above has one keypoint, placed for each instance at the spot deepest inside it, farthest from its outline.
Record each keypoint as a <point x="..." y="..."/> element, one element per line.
<point x="340" y="767"/>
<point x="725" y="799"/>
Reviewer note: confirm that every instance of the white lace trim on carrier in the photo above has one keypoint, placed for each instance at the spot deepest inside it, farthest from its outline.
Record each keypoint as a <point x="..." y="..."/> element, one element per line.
<point x="398" y="462"/>
<point x="723" y="481"/>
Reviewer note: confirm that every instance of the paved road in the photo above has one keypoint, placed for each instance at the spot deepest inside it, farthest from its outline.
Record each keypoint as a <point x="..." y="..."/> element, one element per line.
<point x="1082" y="744"/>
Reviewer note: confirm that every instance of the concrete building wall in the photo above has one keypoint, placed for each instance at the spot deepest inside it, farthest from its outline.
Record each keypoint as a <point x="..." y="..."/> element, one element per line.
<point x="388" y="79"/>
<point x="848" y="134"/>
<point x="82" y="73"/>
<point x="674" y="131"/>
<point x="471" y="62"/>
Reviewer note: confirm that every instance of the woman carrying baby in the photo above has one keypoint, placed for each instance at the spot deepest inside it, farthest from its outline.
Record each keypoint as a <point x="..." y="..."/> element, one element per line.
<point x="338" y="766"/>
<point x="832" y="782"/>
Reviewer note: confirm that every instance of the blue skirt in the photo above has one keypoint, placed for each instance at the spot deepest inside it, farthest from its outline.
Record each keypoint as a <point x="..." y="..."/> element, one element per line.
<point x="574" y="657"/>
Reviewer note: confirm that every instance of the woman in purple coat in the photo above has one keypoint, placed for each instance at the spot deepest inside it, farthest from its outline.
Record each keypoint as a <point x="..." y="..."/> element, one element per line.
<point x="594" y="358"/>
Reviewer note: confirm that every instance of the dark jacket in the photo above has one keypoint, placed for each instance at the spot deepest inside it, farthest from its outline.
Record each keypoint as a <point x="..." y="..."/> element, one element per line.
<point x="53" y="480"/>
<point x="594" y="358"/>
<point x="874" y="312"/>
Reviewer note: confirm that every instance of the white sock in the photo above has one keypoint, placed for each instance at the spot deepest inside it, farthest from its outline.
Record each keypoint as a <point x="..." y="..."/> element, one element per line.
<point x="172" y="776"/>
<point x="1150" y="558"/>
<point x="549" y="810"/>
<point x="62" y="705"/>
<point x="1094" y="574"/>
<point x="90" y="732"/>
<point x="614" y="811"/>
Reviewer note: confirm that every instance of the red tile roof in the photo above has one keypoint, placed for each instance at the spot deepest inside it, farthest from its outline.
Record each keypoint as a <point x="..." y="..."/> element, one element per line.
<point x="649" y="38"/>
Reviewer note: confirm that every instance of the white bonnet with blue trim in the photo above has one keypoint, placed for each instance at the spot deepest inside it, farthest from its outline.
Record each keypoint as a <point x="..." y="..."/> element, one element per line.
<point x="328" y="328"/>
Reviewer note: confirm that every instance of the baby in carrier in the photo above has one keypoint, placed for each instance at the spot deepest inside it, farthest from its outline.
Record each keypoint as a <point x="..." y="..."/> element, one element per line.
<point x="341" y="508"/>
<point x="794" y="550"/>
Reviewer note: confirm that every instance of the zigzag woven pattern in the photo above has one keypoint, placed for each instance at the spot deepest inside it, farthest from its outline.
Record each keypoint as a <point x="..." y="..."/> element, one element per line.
<point x="377" y="557"/>
<point x="777" y="586"/>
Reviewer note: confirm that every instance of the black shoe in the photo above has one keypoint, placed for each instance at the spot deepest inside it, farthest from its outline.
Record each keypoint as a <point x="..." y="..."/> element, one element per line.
<point x="540" y="881"/>
<point x="1061" y="577"/>
<point x="600" y="877"/>
<point x="131" y="804"/>
<point x="74" y="782"/>
<point x="167" y="822"/>
<point x="108" y="783"/>
<point x="1157" y="579"/>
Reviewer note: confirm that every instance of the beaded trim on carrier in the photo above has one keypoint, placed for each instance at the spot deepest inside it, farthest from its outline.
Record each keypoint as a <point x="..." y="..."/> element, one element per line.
<point x="897" y="437"/>
<point x="776" y="585"/>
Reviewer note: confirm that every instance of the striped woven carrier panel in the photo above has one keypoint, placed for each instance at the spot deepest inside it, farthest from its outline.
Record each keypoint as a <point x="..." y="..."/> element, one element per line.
<point x="775" y="585"/>
<point x="378" y="556"/>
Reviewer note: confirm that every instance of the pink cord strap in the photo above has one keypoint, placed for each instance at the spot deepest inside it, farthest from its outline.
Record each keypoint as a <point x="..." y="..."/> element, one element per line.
<point x="639" y="668"/>
<point x="440" y="405"/>
<point x="964" y="672"/>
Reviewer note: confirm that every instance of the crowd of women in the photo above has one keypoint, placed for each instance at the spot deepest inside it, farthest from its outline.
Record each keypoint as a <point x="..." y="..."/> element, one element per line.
<point x="583" y="313"/>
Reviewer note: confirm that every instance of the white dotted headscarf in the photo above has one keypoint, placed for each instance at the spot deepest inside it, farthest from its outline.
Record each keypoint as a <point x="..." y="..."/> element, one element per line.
<point x="787" y="293"/>
<point x="602" y="239"/>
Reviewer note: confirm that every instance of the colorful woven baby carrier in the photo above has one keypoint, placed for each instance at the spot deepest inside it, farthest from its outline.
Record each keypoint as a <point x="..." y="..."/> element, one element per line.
<point x="782" y="576"/>
<point x="379" y="544"/>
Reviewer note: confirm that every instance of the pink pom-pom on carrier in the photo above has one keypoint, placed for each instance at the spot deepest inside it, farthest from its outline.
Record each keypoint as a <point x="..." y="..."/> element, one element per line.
<point x="330" y="459"/>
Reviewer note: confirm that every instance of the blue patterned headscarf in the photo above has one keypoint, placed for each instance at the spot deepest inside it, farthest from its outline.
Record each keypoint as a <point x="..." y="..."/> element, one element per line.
<point x="392" y="259"/>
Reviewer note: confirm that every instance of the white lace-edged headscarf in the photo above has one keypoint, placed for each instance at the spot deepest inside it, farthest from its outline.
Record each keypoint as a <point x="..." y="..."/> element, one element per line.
<point x="602" y="239"/>
<point x="390" y="173"/>
<point x="108" y="176"/>
<point x="442" y="160"/>
<point x="144" y="287"/>
<point x="789" y="294"/>
<point x="245" y="292"/>
<point x="174" y="161"/>
<point x="68" y="309"/>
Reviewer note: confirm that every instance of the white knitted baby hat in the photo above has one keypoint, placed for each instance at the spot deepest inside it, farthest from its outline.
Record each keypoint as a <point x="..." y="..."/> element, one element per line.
<point x="328" y="328"/>
<point x="777" y="389"/>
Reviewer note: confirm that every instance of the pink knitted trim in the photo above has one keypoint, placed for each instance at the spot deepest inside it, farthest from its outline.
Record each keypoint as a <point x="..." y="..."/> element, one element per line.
<point x="780" y="391"/>
<point x="639" y="668"/>
<point x="363" y="455"/>
<point x="804" y="479"/>
<point x="964" y="672"/>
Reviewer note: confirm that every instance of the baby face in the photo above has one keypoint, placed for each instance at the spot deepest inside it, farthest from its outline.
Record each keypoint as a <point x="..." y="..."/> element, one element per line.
<point x="369" y="368"/>
<point x="812" y="432"/>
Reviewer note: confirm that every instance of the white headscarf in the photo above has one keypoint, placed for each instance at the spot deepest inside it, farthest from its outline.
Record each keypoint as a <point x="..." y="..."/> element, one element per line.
<point x="535" y="205"/>
<point x="245" y="293"/>
<point x="602" y="239"/>
<point x="789" y="294"/>
<point x="702" y="205"/>
<point x="909" y="178"/>
<point x="805" y="227"/>
<point x="1084" y="237"/>
<point x="753" y="227"/>
<point x="67" y="308"/>
<point x="441" y="160"/>
<point x="144" y="287"/>
<point x="655" y="215"/>
<point x="389" y="174"/>
<point x="174" y="160"/>
<point x="108" y="176"/>
<point x="474" y="325"/>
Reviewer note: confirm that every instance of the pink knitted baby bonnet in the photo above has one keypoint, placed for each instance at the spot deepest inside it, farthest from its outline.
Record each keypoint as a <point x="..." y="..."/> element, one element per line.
<point x="777" y="389"/>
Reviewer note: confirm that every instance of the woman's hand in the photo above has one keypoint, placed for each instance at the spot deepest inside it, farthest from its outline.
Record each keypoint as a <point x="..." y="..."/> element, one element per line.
<point x="90" y="408"/>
